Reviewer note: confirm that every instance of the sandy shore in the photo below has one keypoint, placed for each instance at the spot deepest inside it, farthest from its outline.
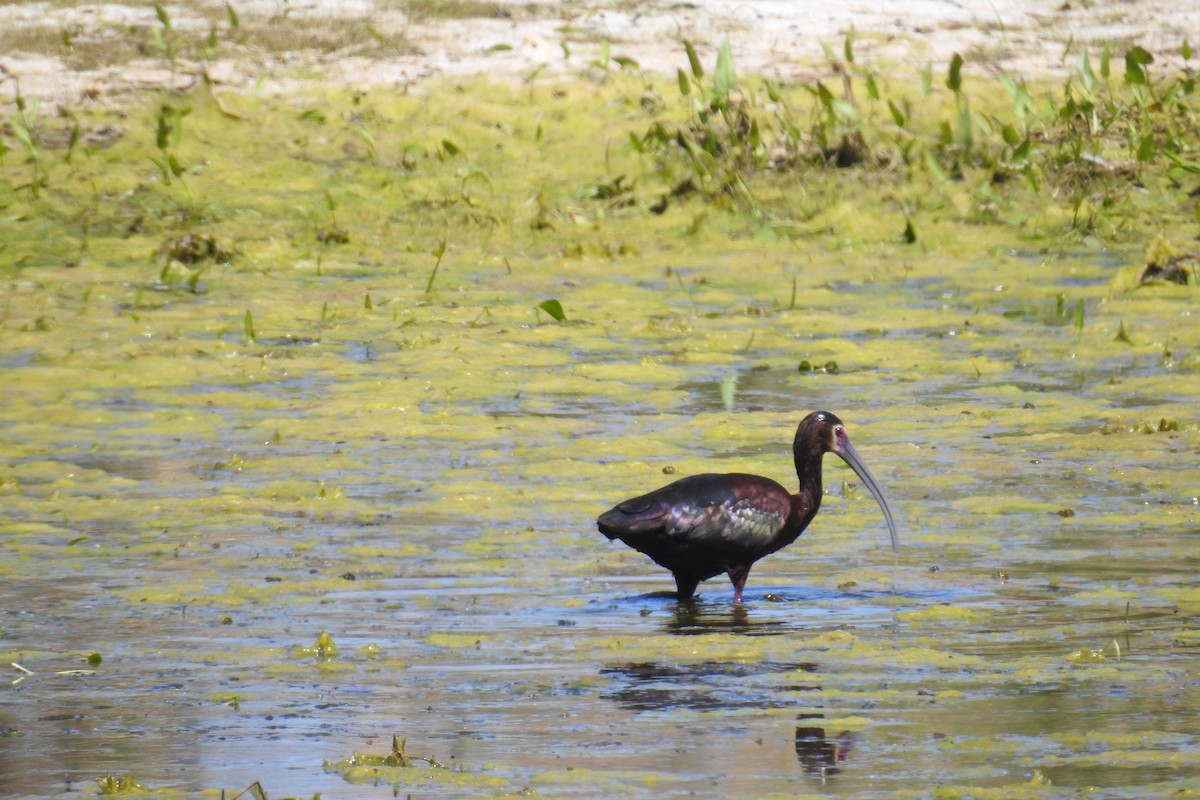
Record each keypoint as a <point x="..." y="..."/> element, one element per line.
<point x="778" y="38"/>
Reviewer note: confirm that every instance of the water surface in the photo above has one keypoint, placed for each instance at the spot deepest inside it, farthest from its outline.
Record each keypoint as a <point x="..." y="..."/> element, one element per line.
<point x="417" y="474"/>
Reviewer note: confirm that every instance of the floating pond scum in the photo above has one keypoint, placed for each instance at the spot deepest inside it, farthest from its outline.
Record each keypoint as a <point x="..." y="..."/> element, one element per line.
<point x="311" y="396"/>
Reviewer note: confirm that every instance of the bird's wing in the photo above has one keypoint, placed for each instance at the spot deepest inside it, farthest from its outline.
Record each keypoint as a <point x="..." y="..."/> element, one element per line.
<point x="729" y="520"/>
<point x="731" y="512"/>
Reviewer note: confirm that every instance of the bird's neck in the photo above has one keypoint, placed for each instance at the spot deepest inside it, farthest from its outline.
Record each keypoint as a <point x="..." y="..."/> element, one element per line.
<point x="807" y="500"/>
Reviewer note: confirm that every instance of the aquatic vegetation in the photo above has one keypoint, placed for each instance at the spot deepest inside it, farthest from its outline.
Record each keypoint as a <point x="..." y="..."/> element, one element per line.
<point x="400" y="767"/>
<point x="554" y="309"/>
<point x="398" y="757"/>
<point x="1086" y="656"/>
<point x="829" y="367"/>
<point x="167" y="139"/>
<point x="1081" y="155"/>
<point x="371" y="361"/>
<point x="119" y="784"/>
<point x="231" y="699"/>
<point x="438" y="253"/>
<point x="255" y="791"/>
<point x="24" y="127"/>
<point x="942" y="614"/>
<point x="324" y="648"/>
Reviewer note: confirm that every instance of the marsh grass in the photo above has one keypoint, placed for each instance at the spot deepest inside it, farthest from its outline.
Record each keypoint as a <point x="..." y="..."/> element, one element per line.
<point x="1108" y="154"/>
<point x="1086" y="146"/>
<point x="24" y="128"/>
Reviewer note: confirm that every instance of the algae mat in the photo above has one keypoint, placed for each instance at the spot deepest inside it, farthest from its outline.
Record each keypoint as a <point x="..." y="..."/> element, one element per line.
<point x="313" y="386"/>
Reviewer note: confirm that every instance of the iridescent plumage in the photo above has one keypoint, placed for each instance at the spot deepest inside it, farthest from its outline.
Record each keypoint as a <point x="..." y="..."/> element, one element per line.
<point x="705" y="525"/>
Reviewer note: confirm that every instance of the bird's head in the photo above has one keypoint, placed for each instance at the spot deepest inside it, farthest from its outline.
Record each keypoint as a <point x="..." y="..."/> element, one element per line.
<point x="822" y="432"/>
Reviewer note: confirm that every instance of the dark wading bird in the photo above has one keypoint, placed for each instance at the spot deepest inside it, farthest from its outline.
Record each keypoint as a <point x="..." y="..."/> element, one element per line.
<point x="704" y="525"/>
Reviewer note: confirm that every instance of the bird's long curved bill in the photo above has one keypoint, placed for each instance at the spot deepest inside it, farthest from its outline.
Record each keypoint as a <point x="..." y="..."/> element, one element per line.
<point x="850" y="456"/>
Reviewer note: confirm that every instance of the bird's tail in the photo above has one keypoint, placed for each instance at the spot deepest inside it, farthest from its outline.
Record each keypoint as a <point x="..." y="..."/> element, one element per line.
<point x="631" y="518"/>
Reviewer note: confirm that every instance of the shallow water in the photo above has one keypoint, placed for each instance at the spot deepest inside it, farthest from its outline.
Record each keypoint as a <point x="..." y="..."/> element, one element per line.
<point x="418" y="476"/>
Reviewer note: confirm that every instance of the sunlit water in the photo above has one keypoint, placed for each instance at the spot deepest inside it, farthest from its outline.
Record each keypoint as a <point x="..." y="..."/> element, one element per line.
<point x="419" y="476"/>
<point x="527" y="665"/>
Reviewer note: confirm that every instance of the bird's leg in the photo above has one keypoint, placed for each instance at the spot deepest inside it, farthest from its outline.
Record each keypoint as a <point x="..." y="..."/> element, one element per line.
<point x="685" y="586"/>
<point x="737" y="576"/>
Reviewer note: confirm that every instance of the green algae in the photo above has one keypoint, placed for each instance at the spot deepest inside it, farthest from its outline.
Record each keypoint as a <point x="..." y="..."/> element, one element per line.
<point x="448" y="448"/>
<point x="359" y="773"/>
<point x="401" y="767"/>
<point x="124" y="784"/>
<point x="944" y="614"/>
<point x="1037" y="786"/>
<point x="324" y="648"/>
<point x="459" y="640"/>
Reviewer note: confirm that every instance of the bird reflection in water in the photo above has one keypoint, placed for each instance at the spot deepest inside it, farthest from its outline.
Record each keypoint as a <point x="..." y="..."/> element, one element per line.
<point x="820" y="756"/>
<point x="723" y="686"/>
<point x="707" y="686"/>
<point x="689" y="619"/>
